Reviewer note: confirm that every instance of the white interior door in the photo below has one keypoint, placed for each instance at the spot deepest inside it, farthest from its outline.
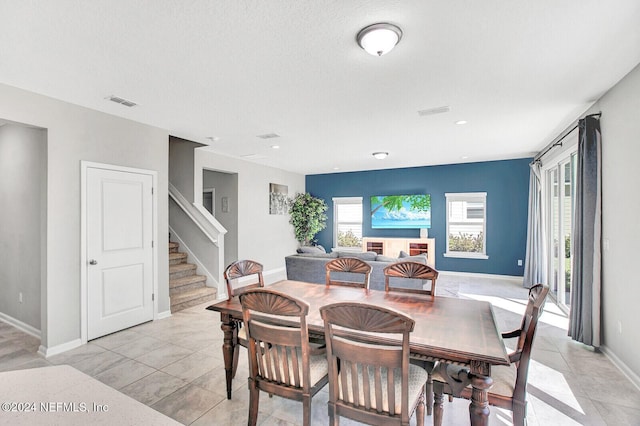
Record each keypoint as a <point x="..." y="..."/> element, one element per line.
<point x="119" y="218"/>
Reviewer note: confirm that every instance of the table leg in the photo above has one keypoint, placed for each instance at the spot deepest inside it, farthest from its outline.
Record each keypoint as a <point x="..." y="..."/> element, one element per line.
<point x="228" y="346"/>
<point x="479" y="407"/>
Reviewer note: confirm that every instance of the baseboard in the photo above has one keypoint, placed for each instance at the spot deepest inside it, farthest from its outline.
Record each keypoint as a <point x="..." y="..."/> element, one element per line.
<point x="32" y="331"/>
<point x="163" y="315"/>
<point x="633" y="377"/>
<point x="58" y="349"/>
<point x="274" y="275"/>
<point x="513" y="278"/>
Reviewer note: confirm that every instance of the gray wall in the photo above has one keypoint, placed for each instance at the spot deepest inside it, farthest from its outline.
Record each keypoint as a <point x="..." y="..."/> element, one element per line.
<point x="75" y="133"/>
<point x="181" y="165"/>
<point x="23" y="191"/>
<point x="620" y="125"/>
<point x="262" y="237"/>
<point x="226" y="185"/>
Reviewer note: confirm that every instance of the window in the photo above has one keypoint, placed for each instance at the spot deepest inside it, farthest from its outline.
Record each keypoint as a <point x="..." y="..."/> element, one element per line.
<point x="347" y="223"/>
<point x="561" y="177"/>
<point x="466" y="225"/>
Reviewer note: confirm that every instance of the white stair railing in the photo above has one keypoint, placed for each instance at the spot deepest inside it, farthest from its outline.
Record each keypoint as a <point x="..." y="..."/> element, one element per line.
<point x="201" y="234"/>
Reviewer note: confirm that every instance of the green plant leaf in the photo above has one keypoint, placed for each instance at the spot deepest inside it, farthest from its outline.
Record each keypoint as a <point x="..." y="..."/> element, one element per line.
<point x="307" y="216"/>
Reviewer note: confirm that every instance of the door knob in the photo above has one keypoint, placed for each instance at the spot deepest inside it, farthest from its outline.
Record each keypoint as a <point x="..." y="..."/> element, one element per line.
<point x="93" y="262"/>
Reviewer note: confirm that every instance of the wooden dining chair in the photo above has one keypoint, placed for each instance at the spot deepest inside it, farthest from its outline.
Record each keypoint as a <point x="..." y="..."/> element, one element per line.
<point x="411" y="275"/>
<point x="345" y="268"/>
<point x="509" y="388"/>
<point x="238" y="279"/>
<point x="281" y="361"/>
<point x="371" y="383"/>
<point x="238" y="270"/>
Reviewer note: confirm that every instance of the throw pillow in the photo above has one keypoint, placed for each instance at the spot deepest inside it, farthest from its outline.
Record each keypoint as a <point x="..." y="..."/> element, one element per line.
<point x="404" y="256"/>
<point x="311" y="249"/>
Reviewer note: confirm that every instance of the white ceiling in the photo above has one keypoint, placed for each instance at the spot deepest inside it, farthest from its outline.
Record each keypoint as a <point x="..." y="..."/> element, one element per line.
<point x="518" y="71"/>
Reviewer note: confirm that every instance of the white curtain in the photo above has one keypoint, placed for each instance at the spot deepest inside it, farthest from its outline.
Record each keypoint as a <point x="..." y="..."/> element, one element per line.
<point x="535" y="266"/>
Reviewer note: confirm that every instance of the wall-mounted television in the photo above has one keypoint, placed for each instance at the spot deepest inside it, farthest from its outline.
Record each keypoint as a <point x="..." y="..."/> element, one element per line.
<point x="401" y="211"/>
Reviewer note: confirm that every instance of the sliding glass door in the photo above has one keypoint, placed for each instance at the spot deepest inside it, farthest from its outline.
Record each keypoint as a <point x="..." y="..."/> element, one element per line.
<point x="560" y="204"/>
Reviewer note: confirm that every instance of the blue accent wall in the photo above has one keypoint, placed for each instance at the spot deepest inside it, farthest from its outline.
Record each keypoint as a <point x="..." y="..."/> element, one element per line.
<point x="505" y="182"/>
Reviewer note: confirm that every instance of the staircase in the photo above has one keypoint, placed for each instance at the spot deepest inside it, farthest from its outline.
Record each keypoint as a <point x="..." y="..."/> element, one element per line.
<point x="186" y="289"/>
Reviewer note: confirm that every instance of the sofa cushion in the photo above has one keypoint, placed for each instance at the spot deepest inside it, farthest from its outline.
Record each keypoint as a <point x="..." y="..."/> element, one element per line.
<point x="368" y="255"/>
<point x="321" y="255"/>
<point x="381" y="258"/>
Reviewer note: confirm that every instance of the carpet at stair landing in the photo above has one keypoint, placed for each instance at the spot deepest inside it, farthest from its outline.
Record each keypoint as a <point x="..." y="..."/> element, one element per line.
<point x="186" y="288"/>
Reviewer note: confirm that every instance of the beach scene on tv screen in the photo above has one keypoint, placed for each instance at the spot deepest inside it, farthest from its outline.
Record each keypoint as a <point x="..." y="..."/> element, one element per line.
<point x="401" y="211"/>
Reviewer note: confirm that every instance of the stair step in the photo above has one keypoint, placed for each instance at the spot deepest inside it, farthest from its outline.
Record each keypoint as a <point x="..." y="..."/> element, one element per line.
<point x="181" y="285"/>
<point x="191" y="298"/>
<point x="173" y="247"/>
<point x="181" y="270"/>
<point x="176" y="258"/>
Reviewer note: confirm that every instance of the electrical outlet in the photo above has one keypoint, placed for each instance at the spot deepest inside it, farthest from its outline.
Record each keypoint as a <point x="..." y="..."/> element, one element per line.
<point x="519" y="262"/>
<point x="20" y="297"/>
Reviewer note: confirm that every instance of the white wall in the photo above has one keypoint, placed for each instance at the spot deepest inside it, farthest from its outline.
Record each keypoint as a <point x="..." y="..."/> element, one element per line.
<point x="75" y="133"/>
<point x="620" y="125"/>
<point x="23" y="184"/>
<point x="262" y="237"/>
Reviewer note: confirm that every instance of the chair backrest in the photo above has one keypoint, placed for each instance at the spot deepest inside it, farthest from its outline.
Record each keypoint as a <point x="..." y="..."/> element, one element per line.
<point x="346" y="267"/>
<point x="278" y="354"/>
<point x="362" y="376"/>
<point x="409" y="272"/>
<point x="522" y="355"/>
<point x="241" y="269"/>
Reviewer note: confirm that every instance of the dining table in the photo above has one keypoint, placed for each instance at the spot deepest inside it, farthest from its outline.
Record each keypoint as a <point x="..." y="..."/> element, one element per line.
<point x="447" y="329"/>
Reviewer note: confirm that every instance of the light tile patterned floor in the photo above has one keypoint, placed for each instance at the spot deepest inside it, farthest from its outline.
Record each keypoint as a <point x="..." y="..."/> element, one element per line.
<point x="175" y="366"/>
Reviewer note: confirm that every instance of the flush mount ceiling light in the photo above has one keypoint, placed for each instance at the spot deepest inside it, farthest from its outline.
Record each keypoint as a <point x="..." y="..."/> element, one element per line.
<point x="380" y="155"/>
<point x="379" y="39"/>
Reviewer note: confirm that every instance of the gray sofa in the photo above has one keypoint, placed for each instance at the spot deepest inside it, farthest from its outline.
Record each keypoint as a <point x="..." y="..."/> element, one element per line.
<point x="310" y="267"/>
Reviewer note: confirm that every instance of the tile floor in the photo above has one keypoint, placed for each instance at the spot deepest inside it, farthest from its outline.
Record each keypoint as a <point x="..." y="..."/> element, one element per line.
<point x="175" y="366"/>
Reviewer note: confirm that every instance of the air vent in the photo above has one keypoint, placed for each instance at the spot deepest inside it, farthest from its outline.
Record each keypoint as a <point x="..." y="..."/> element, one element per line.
<point x="122" y="101"/>
<point x="432" y="111"/>
<point x="269" y="136"/>
<point x="253" y="157"/>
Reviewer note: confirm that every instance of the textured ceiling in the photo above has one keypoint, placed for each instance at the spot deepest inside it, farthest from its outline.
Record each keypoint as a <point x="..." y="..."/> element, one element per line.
<point x="519" y="72"/>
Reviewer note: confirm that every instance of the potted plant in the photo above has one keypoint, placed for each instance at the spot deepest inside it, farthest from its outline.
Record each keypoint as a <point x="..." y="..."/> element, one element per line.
<point x="307" y="217"/>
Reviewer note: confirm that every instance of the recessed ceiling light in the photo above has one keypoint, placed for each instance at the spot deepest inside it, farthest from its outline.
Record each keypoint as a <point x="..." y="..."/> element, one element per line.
<point x="213" y="138"/>
<point x="336" y="168"/>
<point x="380" y="155"/>
<point x="464" y="157"/>
<point x="275" y="146"/>
<point x="460" y="122"/>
